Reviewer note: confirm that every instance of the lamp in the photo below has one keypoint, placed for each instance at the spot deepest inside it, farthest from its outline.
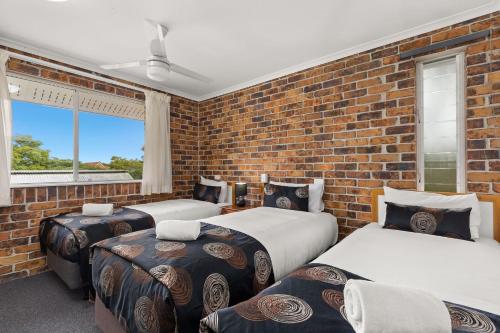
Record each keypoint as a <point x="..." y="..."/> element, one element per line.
<point x="240" y="192"/>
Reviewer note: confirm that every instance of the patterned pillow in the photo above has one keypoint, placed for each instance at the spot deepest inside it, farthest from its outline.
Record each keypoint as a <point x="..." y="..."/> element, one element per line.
<point x="206" y="193"/>
<point x="453" y="223"/>
<point x="285" y="197"/>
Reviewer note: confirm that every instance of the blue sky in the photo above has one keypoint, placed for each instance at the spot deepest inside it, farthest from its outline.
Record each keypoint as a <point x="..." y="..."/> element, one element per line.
<point x="100" y="136"/>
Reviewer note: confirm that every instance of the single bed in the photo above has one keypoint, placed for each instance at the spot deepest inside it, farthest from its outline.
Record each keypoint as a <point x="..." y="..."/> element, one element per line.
<point x="147" y="285"/>
<point x="66" y="238"/>
<point x="465" y="275"/>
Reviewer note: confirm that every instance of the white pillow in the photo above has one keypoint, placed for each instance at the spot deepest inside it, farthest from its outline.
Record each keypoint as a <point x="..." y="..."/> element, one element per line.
<point x="222" y="184"/>
<point x="316" y="204"/>
<point x="435" y="200"/>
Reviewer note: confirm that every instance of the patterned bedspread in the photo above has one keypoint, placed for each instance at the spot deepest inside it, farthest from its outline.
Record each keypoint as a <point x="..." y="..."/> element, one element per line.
<point x="71" y="235"/>
<point x="311" y="299"/>
<point x="159" y="286"/>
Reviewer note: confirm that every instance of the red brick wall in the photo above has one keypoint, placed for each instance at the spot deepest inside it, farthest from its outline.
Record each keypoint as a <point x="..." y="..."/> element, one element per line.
<point x="19" y="247"/>
<point x="352" y="122"/>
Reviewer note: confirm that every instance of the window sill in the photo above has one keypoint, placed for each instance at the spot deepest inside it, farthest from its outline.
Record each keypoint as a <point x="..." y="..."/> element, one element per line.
<point x="74" y="184"/>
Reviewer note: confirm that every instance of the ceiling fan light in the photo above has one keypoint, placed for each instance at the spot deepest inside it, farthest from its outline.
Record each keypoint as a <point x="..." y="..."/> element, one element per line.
<point x="157" y="71"/>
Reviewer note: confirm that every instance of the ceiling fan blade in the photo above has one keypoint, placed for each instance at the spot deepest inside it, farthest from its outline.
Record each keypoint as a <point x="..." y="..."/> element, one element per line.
<point x="125" y="65"/>
<point x="189" y="73"/>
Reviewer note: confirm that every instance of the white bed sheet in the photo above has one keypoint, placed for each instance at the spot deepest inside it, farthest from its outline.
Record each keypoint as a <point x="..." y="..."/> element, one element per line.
<point x="291" y="237"/>
<point x="179" y="209"/>
<point x="458" y="271"/>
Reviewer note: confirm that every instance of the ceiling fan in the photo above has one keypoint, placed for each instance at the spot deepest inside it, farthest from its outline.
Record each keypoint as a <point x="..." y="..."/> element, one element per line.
<point x="158" y="65"/>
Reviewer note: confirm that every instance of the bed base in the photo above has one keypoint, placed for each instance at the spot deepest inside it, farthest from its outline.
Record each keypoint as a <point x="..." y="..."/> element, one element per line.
<point x="68" y="271"/>
<point x="105" y="320"/>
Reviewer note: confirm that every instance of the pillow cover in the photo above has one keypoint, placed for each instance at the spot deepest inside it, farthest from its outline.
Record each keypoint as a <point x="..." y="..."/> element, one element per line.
<point x="286" y="197"/>
<point x="206" y="193"/>
<point x="316" y="204"/>
<point x="435" y="200"/>
<point x="453" y="223"/>
<point x="222" y="184"/>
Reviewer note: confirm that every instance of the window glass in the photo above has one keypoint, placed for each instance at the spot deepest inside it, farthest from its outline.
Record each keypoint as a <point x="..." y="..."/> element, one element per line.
<point x="42" y="144"/>
<point x="111" y="148"/>
<point x="439" y="125"/>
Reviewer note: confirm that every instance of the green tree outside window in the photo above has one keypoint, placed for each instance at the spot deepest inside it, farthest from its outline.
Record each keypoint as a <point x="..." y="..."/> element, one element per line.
<point x="28" y="154"/>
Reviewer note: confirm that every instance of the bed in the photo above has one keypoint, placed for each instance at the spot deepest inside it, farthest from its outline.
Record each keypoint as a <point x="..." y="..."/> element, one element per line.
<point x="147" y="285"/>
<point x="66" y="238"/>
<point x="465" y="275"/>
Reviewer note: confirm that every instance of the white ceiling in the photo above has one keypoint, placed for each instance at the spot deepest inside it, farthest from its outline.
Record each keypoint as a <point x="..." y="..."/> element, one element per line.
<point x="236" y="43"/>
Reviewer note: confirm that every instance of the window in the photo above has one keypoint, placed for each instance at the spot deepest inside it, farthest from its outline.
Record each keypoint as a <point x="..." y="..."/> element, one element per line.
<point x="440" y="130"/>
<point x="108" y="142"/>
<point x="41" y="143"/>
<point x="54" y="126"/>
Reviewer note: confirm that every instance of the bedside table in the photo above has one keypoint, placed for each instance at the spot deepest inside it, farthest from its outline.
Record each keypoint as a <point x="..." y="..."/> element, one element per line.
<point x="234" y="209"/>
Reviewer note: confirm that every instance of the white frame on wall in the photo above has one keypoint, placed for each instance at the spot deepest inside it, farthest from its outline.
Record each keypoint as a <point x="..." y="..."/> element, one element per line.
<point x="461" y="129"/>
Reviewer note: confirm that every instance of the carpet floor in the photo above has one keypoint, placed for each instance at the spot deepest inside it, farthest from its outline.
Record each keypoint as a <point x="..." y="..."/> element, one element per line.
<point x="43" y="303"/>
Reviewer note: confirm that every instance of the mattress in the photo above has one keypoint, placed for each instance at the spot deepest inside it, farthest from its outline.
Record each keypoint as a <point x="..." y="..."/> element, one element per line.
<point x="453" y="270"/>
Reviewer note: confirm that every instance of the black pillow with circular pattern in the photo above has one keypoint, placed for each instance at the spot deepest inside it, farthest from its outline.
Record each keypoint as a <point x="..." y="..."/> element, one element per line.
<point x="453" y="223"/>
<point x="206" y="193"/>
<point x="286" y="197"/>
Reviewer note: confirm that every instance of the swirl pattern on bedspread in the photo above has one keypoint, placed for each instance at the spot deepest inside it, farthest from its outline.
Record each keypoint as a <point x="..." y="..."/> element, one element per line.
<point x="192" y="279"/>
<point x="311" y="299"/>
<point x="70" y="235"/>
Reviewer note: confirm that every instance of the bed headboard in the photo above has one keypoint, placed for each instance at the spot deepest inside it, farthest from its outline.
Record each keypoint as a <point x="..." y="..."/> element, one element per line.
<point x="489" y="204"/>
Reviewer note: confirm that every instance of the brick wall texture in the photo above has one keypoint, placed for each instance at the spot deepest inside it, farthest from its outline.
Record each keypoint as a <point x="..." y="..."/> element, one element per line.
<point x="350" y="121"/>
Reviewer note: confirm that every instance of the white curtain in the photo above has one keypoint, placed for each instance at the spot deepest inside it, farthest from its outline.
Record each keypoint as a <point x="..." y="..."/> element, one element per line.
<point x="157" y="169"/>
<point x="5" y="133"/>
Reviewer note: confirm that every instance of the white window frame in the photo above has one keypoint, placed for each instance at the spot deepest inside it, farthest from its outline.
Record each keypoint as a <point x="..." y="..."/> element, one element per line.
<point x="76" y="137"/>
<point x="461" y="135"/>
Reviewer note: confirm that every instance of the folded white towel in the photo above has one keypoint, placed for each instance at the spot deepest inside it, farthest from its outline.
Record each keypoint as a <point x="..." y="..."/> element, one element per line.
<point x="97" y="209"/>
<point x="375" y="307"/>
<point x="178" y="230"/>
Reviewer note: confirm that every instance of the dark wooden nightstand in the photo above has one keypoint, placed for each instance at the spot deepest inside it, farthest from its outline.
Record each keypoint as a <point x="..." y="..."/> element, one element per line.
<point x="234" y="209"/>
